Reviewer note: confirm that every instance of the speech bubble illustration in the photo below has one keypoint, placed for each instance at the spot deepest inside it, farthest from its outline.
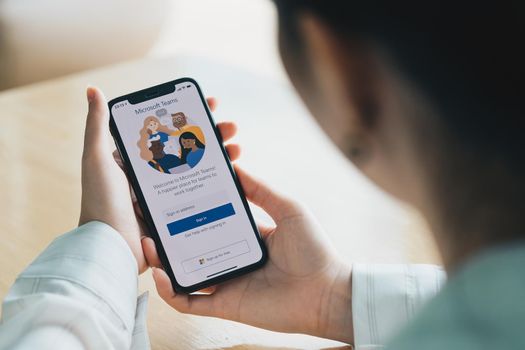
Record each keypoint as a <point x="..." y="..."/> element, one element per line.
<point x="161" y="112"/>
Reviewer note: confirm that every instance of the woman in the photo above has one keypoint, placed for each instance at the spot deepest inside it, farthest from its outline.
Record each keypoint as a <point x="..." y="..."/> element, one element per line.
<point x="192" y="149"/>
<point x="152" y="129"/>
<point x="426" y="100"/>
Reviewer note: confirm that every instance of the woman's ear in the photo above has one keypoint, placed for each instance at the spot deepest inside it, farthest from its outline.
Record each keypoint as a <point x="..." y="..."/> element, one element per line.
<point x="348" y="80"/>
<point x="362" y="104"/>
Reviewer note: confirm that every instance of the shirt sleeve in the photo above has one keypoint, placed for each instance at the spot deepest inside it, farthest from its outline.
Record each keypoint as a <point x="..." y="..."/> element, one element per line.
<point x="80" y="293"/>
<point x="386" y="297"/>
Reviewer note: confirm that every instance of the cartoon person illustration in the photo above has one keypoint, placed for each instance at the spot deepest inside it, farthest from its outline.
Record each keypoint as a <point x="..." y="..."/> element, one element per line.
<point x="180" y="122"/>
<point x="192" y="148"/>
<point x="152" y="130"/>
<point x="160" y="160"/>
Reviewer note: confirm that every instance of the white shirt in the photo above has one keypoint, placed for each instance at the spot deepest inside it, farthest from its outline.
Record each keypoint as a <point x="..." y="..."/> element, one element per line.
<point x="386" y="297"/>
<point x="81" y="293"/>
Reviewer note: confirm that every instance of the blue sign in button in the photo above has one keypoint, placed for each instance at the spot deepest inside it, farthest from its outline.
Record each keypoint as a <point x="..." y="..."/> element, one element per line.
<point x="200" y="219"/>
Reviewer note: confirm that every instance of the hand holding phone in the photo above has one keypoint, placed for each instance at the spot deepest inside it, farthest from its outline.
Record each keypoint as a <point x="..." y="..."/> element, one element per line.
<point x="187" y="190"/>
<point x="304" y="287"/>
<point x="105" y="188"/>
<point x="284" y="295"/>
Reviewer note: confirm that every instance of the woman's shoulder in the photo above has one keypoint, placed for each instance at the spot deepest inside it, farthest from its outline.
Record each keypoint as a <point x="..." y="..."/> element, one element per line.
<point x="447" y="321"/>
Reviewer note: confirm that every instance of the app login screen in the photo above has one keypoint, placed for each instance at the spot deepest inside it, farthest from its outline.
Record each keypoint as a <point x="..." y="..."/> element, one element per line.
<point x="187" y="185"/>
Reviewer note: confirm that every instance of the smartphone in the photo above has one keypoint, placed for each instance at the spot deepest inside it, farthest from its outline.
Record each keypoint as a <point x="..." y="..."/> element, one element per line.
<point x="191" y="199"/>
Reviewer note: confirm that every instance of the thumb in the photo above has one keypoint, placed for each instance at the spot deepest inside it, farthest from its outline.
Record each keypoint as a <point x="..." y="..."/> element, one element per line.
<point x="96" y="138"/>
<point x="275" y="204"/>
<point x="163" y="283"/>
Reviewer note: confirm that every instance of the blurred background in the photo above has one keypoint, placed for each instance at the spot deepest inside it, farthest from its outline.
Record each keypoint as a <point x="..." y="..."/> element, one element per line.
<point x="51" y="50"/>
<point x="46" y="39"/>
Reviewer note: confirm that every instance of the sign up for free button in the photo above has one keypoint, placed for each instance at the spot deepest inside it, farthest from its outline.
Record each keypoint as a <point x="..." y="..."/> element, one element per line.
<point x="215" y="256"/>
<point x="200" y="219"/>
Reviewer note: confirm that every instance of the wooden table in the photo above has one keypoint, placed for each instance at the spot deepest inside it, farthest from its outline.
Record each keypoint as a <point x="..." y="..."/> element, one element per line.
<point x="41" y="137"/>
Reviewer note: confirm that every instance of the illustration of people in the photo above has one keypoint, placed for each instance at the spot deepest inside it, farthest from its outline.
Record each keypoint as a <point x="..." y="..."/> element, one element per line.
<point x="180" y="122"/>
<point x="192" y="149"/>
<point x="152" y="129"/>
<point x="156" y="148"/>
<point x="160" y="160"/>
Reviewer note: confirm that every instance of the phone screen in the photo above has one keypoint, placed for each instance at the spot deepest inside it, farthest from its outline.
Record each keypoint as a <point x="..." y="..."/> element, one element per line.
<point x="188" y="186"/>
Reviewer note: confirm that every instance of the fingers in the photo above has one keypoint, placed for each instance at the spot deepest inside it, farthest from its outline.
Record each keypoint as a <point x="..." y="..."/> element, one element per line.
<point x="136" y="207"/>
<point x="118" y="159"/>
<point x="212" y="103"/>
<point x="194" y="304"/>
<point x="198" y="304"/>
<point x="275" y="204"/>
<point x="163" y="284"/>
<point x="227" y="130"/>
<point x="234" y="151"/>
<point x="120" y="163"/>
<point x="265" y="230"/>
<point x="206" y="291"/>
<point x="150" y="252"/>
<point x="96" y="139"/>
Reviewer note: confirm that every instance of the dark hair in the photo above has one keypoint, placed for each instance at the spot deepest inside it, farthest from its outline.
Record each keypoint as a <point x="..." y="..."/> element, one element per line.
<point x="178" y="113"/>
<point x="468" y="59"/>
<point x="184" y="151"/>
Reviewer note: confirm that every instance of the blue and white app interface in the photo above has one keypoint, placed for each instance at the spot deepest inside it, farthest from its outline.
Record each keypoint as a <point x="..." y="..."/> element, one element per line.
<point x="187" y="185"/>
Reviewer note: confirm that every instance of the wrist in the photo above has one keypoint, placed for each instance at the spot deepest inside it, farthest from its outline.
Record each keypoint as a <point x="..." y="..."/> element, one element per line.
<point x="335" y="316"/>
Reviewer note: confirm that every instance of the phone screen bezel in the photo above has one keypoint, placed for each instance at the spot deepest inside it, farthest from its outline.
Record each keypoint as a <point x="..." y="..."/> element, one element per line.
<point x="152" y="93"/>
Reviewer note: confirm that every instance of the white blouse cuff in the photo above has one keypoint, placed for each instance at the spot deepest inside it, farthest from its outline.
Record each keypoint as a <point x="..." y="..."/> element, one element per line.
<point x="96" y="257"/>
<point x="385" y="297"/>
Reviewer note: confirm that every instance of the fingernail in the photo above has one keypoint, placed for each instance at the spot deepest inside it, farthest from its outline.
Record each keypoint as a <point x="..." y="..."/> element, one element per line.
<point x="90" y="92"/>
